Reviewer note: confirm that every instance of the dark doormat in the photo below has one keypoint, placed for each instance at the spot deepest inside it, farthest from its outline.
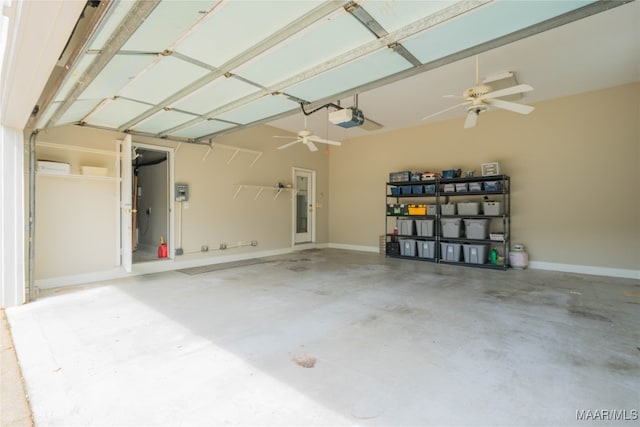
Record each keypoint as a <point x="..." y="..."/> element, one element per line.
<point x="222" y="266"/>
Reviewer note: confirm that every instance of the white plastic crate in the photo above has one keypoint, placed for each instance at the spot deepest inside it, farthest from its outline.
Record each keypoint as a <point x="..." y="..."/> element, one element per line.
<point x="426" y="249"/>
<point x="475" y="254"/>
<point x="451" y="227"/>
<point x="493" y="208"/>
<point x="424" y="227"/>
<point x="468" y="208"/>
<point x="450" y="251"/>
<point x="476" y="228"/>
<point x="407" y="247"/>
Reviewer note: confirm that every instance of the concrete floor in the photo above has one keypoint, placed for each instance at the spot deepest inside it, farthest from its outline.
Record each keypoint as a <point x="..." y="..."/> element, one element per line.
<point x="334" y="337"/>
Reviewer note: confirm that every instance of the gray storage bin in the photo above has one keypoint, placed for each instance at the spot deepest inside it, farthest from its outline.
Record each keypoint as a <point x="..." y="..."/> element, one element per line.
<point x="406" y="227"/>
<point x="448" y="209"/>
<point x="493" y="208"/>
<point x="426" y="249"/>
<point x="407" y="247"/>
<point x="468" y="208"/>
<point x="432" y="210"/>
<point x="476" y="228"/>
<point x="450" y="251"/>
<point x="450" y="227"/>
<point x="475" y="186"/>
<point x="424" y="227"/>
<point x="475" y="254"/>
<point x="462" y="187"/>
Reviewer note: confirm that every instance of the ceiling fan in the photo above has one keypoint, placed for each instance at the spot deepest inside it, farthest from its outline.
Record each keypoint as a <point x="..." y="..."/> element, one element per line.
<point x="480" y="97"/>
<point x="307" y="138"/>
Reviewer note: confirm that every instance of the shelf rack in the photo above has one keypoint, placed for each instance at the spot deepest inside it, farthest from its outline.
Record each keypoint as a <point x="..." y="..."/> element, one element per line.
<point x="261" y="188"/>
<point x="440" y="197"/>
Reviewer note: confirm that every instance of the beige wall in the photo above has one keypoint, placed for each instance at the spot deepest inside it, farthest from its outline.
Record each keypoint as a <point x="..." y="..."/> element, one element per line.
<point x="574" y="164"/>
<point x="79" y="241"/>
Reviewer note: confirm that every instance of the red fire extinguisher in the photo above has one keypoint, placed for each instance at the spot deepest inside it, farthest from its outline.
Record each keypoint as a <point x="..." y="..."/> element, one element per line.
<point x="163" y="250"/>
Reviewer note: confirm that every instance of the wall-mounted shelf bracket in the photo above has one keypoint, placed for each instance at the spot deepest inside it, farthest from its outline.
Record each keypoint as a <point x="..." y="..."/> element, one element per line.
<point x="236" y="150"/>
<point x="261" y="188"/>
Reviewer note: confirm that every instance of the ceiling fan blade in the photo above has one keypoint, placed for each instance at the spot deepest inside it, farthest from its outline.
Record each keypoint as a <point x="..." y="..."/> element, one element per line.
<point x="289" y="144"/>
<point x="511" y="106"/>
<point x="446" y="109"/>
<point x="311" y="145"/>
<point x="508" y="91"/>
<point x="316" y="138"/>
<point x="472" y="119"/>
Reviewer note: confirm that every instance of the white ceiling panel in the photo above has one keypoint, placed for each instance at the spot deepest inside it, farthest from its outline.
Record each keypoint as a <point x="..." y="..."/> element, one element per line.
<point x="316" y="45"/>
<point x="206" y="127"/>
<point x="116" y="16"/>
<point x="238" y="25"/>
<point x="266" y="106"/>
<point x="153" y="85"/>
<point x="162" y="121"/>
<point x="393" y="15"/>
<point x="216" y="94"/>
<point x="120" y="71"/>
<point x="77" y="111"/>
<point x="116" y="112"/>
<point x="362" y="71"/>
<point x="168" y="21"/>
<point x="68" y="85"/>
<point x="484" y="24"/>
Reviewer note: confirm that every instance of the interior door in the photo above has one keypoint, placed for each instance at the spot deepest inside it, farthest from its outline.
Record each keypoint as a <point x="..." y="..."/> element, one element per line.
<point x="303" y="206"/>
<point x="126" y="208"/>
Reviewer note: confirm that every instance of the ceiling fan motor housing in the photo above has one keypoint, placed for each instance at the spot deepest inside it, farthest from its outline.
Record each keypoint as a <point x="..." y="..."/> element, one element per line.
<point x="476" y="91"/>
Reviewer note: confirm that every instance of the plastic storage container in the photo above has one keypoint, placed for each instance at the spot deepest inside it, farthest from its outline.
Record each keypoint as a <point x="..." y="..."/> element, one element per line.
<point x="424" y="227"/>
<point x="432" y="210"/>
<point x="405" y="190"/>
<point x="426" y="249"/>
<point x="468" y="208"/>
<point x="450" y="251"/>
<point x="395" y="191"/>
<point x="406" y="227"/>
<point x="393" y="248"/>
<point x="430" y="188"/>
<point x="448" y="209"/>
<point x="476" y="228"/>
<point x="402" y="176"/>
<point x="450" y="227"/>
<point x="417" y="209"/>
<point x="448" y="188"/>
<point x="475" y="254"/>
<point x="449" y="173"/>
<point x="462" y="187"/>
<point x="492" y="208"/>
<point x="407" y="247"/>
<point x="492" y="185"/>
<point x="475" y="186"/>
<point x="416" y="189"/>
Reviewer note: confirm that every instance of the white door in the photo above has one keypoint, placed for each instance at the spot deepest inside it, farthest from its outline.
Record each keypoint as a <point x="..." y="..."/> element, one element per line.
<point x="304" y="215"/>
<point x="126" y="185"/>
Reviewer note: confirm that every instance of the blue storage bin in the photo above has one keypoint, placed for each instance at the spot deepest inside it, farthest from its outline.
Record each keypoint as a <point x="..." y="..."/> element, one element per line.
<point x="395" y="191"/>
<point x="492" y="185"/>
<point x="430" y="188"/>
<point x="405" y="190"/>
<point x="449" y="173"/>
<point x="416" y="189"/>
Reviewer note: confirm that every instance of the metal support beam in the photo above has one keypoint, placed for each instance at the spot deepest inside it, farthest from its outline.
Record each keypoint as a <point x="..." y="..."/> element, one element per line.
<point x="136" y="16"/>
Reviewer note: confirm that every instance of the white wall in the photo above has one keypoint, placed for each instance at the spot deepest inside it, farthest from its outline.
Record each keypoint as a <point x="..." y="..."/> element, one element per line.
<point x="12" y="218"/>
<point x="212" y="216"/>
<point x="574" y="164"/>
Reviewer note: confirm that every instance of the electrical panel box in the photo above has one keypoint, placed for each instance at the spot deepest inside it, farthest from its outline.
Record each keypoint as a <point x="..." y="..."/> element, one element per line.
<point x="182" y="192"/>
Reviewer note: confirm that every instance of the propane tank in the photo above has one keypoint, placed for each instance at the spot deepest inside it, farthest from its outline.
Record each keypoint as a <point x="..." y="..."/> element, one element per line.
<point x="518" y="258"/>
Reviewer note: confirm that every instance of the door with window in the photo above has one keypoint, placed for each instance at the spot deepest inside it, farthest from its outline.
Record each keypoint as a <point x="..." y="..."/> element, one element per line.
<point x="303" y="209"/>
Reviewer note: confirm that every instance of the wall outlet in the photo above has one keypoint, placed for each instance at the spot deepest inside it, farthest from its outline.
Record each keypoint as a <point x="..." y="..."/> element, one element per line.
<point x="254" y="243"/>
<point x="204" y="248"/>
<point x="223" y="246"/>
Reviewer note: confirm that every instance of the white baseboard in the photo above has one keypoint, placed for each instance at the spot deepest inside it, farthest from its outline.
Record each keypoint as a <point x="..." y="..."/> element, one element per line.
<point x="359" y="248"/>
<point x="152" y="267"/>
<point x="586" y="269"/>
<point x="180" y="262"/>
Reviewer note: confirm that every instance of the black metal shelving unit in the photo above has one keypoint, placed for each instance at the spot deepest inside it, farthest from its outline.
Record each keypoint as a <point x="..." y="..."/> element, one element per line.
<point x="498" y="223"/>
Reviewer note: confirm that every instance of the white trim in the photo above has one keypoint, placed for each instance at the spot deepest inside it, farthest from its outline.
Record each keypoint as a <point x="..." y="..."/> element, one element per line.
<point x="358" y="248"/>
<point x="305" y="246"/>
<point x="586" y="269"/>
<point x="151" y="267"/>
<point x="311" y="199"/>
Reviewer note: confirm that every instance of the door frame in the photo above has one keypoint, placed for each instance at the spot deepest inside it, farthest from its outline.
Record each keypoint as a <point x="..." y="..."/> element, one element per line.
<point x="170" y="171"/>
<point x="312" y="202"/>
<point x="125" y="252"/>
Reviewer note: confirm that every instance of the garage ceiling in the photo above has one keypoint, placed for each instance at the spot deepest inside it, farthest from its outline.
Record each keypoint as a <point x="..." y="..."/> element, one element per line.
<point x="191" y="70"/>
